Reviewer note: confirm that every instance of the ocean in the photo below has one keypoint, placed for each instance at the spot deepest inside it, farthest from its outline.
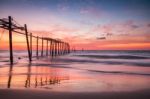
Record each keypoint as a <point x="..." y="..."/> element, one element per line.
<point x="79" y="71"/>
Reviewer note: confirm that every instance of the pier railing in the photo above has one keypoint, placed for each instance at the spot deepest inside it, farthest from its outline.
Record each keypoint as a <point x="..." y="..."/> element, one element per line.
<point x="54" y="47"/>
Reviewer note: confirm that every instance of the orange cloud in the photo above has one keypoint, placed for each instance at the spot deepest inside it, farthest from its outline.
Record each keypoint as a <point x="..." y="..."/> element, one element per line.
<point x="125" y="35"/>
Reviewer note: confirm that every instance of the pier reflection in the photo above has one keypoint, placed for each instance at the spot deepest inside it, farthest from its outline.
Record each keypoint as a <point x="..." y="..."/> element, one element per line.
<point x="31" y="76"/>
<point x="10" y="76"/>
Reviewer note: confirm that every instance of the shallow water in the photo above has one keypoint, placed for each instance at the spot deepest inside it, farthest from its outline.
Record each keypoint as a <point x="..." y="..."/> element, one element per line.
<point x="80" y="72"/>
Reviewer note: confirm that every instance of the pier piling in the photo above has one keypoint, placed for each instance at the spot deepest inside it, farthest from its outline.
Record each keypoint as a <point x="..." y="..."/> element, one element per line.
<point x="10" y="40"/>
<point x="27" y="40"/>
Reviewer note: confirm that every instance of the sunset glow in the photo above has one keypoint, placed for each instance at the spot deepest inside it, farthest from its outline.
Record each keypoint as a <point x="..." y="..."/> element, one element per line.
<point x="88" y="24"/>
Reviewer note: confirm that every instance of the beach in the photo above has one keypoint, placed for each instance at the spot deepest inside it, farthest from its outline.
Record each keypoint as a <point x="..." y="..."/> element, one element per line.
<point x="78" y="75"/>
<point x="74" y="49"/>
<point x="36" y="94"/>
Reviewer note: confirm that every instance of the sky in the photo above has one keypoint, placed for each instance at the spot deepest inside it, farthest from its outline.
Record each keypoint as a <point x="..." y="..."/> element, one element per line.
<point x="87" y="24"/>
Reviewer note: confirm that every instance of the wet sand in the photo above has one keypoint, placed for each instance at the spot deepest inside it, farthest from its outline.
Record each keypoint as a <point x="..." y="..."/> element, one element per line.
<point x="40" y="94"/>
<point x="71" y="77"/>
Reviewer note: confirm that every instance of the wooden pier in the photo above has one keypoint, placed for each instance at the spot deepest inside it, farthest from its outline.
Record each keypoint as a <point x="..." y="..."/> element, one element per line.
<point x="54" y="47"/>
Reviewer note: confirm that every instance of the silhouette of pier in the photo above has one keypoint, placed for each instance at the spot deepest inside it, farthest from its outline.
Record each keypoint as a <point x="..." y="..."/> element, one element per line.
<point x="54" y="47"/>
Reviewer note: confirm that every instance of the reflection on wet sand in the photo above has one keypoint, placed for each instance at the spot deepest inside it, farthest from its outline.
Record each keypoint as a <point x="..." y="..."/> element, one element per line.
<point x="73" y="78"/>
<point x="27" y="83"/>
<point x="10" y="76"/>
<point x="34" y="77"/>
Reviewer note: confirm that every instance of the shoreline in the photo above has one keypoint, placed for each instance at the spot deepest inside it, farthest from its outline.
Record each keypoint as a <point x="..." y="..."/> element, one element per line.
<point x="46" y="94"/>
<point x="71" y="77"/>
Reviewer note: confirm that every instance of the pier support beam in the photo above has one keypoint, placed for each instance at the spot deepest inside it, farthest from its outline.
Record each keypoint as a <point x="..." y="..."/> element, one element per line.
<point x="52" y="50"/>
<point x="42" y="48"/>
<point x="10" y="40"/>
<point x="26" y="32"/>
<point x="55" y="48"/>
<point x="31" y="45"/>
<point x="37" y="48"/>
<point x="47" y="48"/>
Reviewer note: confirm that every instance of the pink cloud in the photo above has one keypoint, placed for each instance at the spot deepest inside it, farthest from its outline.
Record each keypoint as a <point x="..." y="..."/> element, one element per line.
<point x="56" y="31"/>
<point x="60" y="28"/>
